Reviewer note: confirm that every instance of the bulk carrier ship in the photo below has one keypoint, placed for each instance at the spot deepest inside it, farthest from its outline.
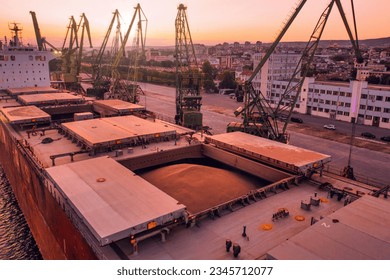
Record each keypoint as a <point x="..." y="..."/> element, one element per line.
<point x="104" y="179"/>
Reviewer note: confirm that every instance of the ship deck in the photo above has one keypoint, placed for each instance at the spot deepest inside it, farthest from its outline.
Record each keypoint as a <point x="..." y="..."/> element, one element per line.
<point x="358" y="231"/>
<point x="97" y="166"/>
<point x="206" y="239"/>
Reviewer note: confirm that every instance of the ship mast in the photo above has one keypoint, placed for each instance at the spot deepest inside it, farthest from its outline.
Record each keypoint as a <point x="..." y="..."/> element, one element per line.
<point x="14" y="27"/>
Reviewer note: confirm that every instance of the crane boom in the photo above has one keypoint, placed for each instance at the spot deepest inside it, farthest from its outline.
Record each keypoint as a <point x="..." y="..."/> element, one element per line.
<point x="41" y="41"/>
<point x="37" y="31"/>
<point x="85" y="26"/>
<point x="354" y="41"/>
<point x="277" y="40"/>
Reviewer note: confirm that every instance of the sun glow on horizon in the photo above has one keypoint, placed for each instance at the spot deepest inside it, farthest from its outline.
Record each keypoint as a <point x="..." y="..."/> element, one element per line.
<point x="211" y="22"/>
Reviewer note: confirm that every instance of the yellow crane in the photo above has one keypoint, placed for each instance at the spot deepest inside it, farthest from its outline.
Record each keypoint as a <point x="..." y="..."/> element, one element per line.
<point x="72" y="54"/>
<point x="120" y="88"/>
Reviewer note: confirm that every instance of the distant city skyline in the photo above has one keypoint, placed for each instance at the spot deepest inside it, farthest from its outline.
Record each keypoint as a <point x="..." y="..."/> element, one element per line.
<point x="211" y="22"/>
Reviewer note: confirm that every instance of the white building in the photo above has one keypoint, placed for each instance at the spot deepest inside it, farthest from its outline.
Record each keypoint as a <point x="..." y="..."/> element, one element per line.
<point x="345" y="101"/>
<point x="279" y="66"/>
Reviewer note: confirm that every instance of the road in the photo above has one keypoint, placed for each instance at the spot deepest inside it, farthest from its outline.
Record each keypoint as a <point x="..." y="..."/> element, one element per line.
<point x="218" y="112"/>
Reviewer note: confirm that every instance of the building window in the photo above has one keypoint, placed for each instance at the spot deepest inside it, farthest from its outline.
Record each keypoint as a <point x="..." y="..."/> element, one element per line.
<point x="315" y="100"/>
<point x="320" y="109"/>
<point x="326" y="110"/>
<point x="387" y="99"/>
<point x="364" y="96"/>
<point x="368" y="117"/>
<point x="316" y="91"/>
<point x="297" y="106"/>
<point x="346" y="114"/>
<point x="379" y="98"/>
<point x="314" y="108"/>
<point x="386" y="110"/>
<point x="342" y="93"/>
<point x="322" y="91"/>
<point x="335" y="92"/>
<point x="385" y="120"/>
<point x="310" y="90"/>
<point x="347" y="105"/>
<point x="348" y="94"/>
<point x="334" y="102"/>
<point x="363" y="107"/>
<point x="329" y="92"/>
<point x="339" y="112"/>
<point x="370" y="108"/>
<point x="378" y="109"/>
<point x="327" y="102"/>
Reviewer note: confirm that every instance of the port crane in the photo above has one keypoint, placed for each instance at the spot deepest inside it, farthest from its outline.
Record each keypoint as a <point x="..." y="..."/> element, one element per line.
<point x="100" y="74"/>
<point x="41" y="41"/>
<point x="268" y="120"/>
<point x="72" y="54"/>
<point x="120" y="89"/>
<point x="188" y="76"/>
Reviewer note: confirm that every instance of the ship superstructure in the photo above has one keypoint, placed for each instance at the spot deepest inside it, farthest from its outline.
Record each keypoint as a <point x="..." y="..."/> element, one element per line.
<point x="23" y="65"/>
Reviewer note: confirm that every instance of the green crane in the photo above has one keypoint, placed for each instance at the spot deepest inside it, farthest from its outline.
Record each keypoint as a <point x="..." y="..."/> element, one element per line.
<point x="188" y="76"/>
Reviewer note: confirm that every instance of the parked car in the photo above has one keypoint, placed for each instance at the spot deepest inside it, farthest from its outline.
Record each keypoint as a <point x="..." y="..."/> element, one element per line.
<point x="330" y="126"/>
<point x="296" y="120"/>
<point x="385" y="138"/>
<point x="232" y="95"/>
<point x="368" y="135"/>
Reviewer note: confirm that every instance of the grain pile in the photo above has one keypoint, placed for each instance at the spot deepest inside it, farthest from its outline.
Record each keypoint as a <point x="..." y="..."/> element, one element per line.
<point x="200" y="187"/>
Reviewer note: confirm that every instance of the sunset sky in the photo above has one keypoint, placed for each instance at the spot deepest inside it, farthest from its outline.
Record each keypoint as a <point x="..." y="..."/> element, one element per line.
<point x="211" y="21"/>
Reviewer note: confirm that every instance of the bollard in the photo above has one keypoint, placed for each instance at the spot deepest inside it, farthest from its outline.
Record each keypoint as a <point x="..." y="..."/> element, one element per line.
<point x="236" y="249"/>
<point x="228" y="245"/>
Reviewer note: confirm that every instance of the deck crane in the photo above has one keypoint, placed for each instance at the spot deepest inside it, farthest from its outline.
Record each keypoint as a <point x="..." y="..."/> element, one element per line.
<point x="71" y="55"/>
<point x="124" y="90"/>
<point x="100" y="78"/>
<point x="262" y="119"/>
<point x="41" y="41"/>
<point x="188" y="76"/>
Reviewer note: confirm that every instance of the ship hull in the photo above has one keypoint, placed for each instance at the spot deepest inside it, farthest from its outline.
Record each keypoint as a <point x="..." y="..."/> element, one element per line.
<point x="55" y="235"/>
